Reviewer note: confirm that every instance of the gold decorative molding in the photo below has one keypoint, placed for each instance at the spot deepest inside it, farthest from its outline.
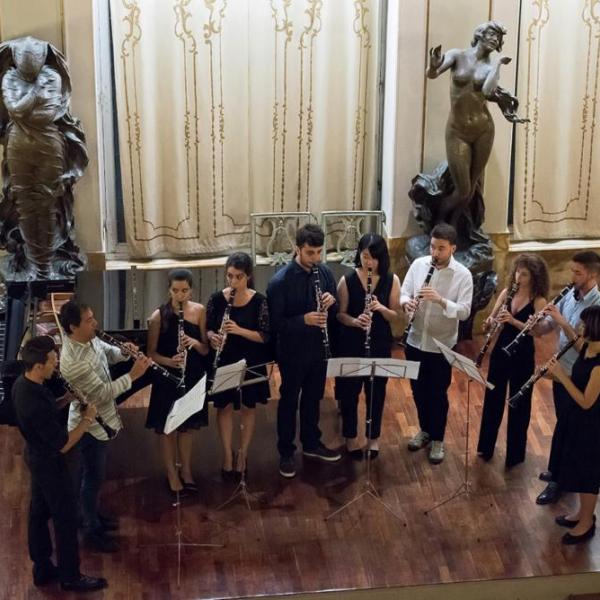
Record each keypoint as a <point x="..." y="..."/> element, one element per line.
<point x="582" y="197"/>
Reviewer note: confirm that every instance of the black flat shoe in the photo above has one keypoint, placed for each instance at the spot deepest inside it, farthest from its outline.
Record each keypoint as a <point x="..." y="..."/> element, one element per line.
<point x="550" y="495"/>
<point x="569" y="539"/>
<point x="545" y="476"/>
<point x="108" y="523"/>
<point x="84" y="584"/>
<point x="355" y="454"/>
<point x="564" y="522"/>
<point x="372" y="454"/>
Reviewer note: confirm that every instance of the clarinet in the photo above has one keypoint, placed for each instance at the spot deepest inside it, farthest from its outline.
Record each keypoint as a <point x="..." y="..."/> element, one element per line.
<point x="368" y="300"/>
<point x="181" y="349"/>
<point x="497" y="326"/>
<point x="135" y="354"/>
<point x="320" y="308"/>
<point x="513" y="400"/>
<point x="404" y="338"/>
<point x="79" y="397"/>
<point x="222" y="332"/>
<point x="510" y="348"/>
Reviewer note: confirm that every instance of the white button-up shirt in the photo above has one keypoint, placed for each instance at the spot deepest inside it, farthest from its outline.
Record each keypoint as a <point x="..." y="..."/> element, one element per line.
<point x="454" y="283"/>
<point x="85" y="367"/>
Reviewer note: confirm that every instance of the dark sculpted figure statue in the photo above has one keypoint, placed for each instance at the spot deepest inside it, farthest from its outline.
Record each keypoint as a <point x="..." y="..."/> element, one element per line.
<point x="44" y="155"/>
<point x="453" y="192"/>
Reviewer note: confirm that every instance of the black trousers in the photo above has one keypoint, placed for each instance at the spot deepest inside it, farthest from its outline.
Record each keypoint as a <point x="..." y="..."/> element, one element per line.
<point x="302" y="382"/>
<point x="562" y="401"/>
<point x="347" y="391"/>
<point x="52" y="497"/>
<point x="430" y="391"/>
<point x="506" y="373"/>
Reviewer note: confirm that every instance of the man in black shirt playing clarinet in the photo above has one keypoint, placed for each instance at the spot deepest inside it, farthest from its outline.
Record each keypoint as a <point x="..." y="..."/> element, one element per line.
<point x="52" y="496"/>
<point x="301" y="333"/>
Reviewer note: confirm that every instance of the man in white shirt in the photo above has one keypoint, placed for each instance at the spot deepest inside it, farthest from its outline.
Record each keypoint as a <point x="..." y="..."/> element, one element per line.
<point x="84" y="361"/>
<point x="439" y="307"/>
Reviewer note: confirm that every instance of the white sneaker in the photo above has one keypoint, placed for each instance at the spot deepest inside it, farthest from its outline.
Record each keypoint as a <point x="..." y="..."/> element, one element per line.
<point x="419" y="441"/>
<point x="436" y="452"/>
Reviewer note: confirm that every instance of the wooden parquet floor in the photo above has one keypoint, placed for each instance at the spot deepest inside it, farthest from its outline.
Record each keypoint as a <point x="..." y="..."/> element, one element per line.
<point x="285" y="545"/>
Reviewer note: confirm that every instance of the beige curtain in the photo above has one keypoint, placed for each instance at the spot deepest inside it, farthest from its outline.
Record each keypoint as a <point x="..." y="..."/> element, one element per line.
<point x="227" y="107"/>
<point x="557" y="183"/>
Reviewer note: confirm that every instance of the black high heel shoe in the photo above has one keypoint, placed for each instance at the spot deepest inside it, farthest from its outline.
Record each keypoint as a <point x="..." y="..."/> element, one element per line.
<point x="355" y="454"/>
<point x="372" y="454"/>
<point x="240" y="474"/>
<point x="183" y="493"/>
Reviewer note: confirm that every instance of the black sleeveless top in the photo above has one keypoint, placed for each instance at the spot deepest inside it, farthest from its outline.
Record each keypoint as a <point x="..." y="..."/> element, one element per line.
<point x="164" y="392"/>
<point x="525" y="351"/>
<point x="351" y="341"/>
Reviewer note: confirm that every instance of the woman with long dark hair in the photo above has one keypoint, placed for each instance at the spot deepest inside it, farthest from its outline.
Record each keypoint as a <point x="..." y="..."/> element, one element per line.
<point x="579" y="463"/>
<point x="360" y="319"/>
<point x="164" y="347"/>
<point x="243" y="335"/>
<point x="530" y="273"/>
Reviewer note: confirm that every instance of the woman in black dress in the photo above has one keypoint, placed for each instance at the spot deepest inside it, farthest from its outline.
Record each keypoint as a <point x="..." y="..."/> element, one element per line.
<point x="163" y="344"/>
<point x="353" y="314"/>
<point x="579" y="470"/>
<point x="530" y="273"/>
<point x="246" y="333"/>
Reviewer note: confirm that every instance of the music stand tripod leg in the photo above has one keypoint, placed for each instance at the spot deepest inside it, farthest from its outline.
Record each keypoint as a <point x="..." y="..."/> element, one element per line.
<point x="368" y="489"/>
<point x="465" y="486"/>
<point x="179" y="537"/>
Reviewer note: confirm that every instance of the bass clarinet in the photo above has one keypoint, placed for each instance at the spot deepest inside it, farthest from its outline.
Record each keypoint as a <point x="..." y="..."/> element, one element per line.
<point x="404" y="338"/>
<point x="321" y="308"/>
<point x="497" y="326"/>
<point x="79" y="397"/>
<point x="222" y="332"/>
<point x="510" y="348"/>
<point x="181" y="349"/>
<point x="513" y="400"/>
<point x="135" y="354"/>
<point x="368" y="311"/>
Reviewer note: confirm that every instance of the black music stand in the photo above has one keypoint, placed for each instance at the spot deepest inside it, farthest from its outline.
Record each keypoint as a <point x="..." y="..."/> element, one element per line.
<point x="371" y="367"/>
<point x="177" y="415"/>
<point x="469" y="368"/>
<point x="229" y="377"/>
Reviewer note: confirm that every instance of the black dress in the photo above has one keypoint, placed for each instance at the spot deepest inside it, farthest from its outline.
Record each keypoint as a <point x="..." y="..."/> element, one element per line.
<point x="580" y="429"/>
<point x="511" y="372"/>
<point x="164" y="392"/>
<point x="253" y="315"/>
<point x="351" y="343"/>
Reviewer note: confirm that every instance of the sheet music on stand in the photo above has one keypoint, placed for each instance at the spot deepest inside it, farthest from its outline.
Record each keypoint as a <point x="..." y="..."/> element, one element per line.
<point x="463" y="364"/>
<point x="362" y="367"/>
<point x="186" y="406"/>
<point x="228" y="377"/>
